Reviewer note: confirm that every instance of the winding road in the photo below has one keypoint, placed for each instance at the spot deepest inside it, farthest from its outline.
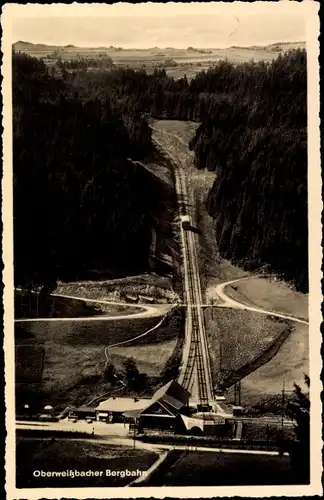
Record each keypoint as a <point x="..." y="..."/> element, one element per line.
<point x="229" y="302"/>
<point x="146" y="311"/>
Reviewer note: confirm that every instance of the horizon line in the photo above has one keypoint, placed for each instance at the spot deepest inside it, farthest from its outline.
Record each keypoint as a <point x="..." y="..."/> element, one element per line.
<point x="107" y="46"/>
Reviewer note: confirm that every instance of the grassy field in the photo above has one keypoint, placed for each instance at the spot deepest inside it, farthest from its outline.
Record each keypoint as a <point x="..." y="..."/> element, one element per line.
<point x="150" y="358"/>
<point x="236" y="338"/>
<point x="88" y="333"/>
<point x="223" y="469"/>
<point x="62" y="455"/>
<point x="271" y="295"/>
<point x="288" y="366"/>
<point x="266" y="432"/>
<point x="29" y="363"/>
<point x="75" y="352"/>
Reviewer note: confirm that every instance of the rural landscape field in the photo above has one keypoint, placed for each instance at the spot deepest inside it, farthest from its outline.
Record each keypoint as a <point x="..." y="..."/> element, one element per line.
<point x="161" y="260"/>
<point x="177" y="62"/>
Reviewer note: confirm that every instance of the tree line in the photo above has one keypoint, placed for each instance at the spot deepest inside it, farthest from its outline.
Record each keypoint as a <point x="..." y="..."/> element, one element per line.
<point x="102" y="61"/>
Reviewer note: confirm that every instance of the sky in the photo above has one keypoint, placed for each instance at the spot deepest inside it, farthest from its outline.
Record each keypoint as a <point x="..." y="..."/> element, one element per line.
<point x="164" y="25"/>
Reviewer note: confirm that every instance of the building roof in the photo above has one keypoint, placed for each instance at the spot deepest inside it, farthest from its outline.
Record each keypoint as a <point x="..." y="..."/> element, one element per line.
<point x="159" y="409"/>
<point x="121" y="405"/>
<point x="172" y="390"/>
<point x="175" y="403"/>
<point x="167" y="401"/>
<point x="133" y="413"/>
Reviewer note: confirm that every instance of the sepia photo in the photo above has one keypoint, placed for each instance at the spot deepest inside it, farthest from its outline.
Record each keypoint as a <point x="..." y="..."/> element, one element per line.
<point x="162" y="249"/>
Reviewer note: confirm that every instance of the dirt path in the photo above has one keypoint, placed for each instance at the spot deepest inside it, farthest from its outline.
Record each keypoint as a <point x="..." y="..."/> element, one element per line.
<point x="229" y="302"/>
<point x="145" y="311"/>
<point x="133" y="338"/>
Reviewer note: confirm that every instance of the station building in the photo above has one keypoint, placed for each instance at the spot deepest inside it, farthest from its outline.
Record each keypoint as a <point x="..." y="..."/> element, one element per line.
<point x="113" y="409"/>
<point x="163" y="411"/>
<point x="167" y="410"/>
<point x="83" y="413"/>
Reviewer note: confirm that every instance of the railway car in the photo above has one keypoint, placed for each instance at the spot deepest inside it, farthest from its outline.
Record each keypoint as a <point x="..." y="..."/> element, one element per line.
<point x="186" y="223"/>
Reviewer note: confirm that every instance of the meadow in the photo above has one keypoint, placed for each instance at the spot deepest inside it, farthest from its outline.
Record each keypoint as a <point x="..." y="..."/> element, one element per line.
<point x="270" y="294"/>
<point x="75" y="353"/>
<point x="236" y="338"/>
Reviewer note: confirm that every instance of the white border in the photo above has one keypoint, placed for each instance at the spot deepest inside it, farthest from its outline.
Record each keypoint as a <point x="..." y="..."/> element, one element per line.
<point x="315" y="253"/>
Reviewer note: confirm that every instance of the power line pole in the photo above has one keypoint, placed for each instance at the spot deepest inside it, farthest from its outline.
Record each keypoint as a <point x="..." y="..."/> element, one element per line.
<point x="212" y="306"/>
<point x="283" y="403"/>
<point x="37" y="302"/>
<point x="30" y="292"/>
<point x="237" y="393"/>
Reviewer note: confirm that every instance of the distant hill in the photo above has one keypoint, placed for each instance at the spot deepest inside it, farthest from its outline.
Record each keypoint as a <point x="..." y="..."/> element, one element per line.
<point x="28" y="46"/>
<point x="279" y="46"/>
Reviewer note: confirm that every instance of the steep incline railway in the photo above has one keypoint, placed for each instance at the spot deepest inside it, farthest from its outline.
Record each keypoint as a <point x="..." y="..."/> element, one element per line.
<point x="195" y="373"/>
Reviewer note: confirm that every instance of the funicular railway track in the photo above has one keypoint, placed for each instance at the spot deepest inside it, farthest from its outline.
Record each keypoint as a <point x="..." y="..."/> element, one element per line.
<point x="195" y="366"/>
<point x="197" y="363"/>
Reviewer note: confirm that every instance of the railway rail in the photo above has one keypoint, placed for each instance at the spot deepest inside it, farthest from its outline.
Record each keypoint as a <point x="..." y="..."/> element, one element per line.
<point x="196" y="364"/>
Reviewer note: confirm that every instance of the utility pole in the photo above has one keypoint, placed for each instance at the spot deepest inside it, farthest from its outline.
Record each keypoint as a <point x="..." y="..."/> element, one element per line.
<point x="212" y="306"/>
<point x="37" y="302"/>
<point x="237" y="393"/>
<point x="30" y="293"/>
<point x="283" y="403"/>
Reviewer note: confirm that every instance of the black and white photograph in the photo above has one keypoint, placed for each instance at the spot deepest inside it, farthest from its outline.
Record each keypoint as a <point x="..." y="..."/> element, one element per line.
<point x="162" y="249"/>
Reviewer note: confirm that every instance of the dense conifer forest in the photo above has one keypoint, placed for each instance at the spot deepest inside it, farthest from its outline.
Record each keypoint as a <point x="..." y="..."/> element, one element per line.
<point x="74" y="189"/>
<point x="78" y="202"/>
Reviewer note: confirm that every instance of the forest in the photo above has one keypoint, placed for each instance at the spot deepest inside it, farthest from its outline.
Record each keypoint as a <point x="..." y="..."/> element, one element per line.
<point x="252" y="134"/>
<point x="78" y="201"/>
